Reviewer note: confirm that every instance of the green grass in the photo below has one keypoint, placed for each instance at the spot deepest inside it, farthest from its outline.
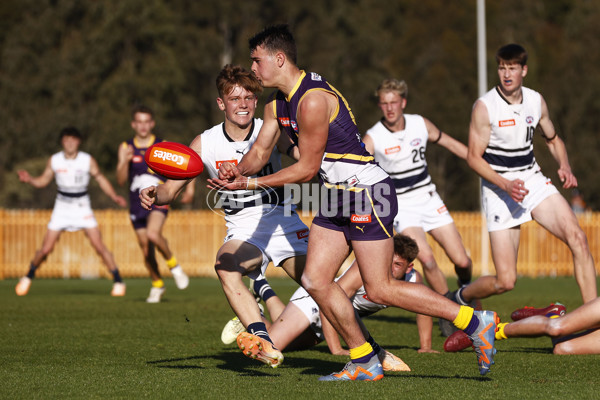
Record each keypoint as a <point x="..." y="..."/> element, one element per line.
<point x="70" y="339"/>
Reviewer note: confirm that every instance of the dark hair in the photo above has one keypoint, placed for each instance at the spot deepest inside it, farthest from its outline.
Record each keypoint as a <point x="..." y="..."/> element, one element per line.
<point x="511" y="54"/>
<point x="70" y="131"/>
<point x="232" y="75"/>
<point x="275" y="38"/>
<point x="405" y="247"/>
<point x="140" y="108"/>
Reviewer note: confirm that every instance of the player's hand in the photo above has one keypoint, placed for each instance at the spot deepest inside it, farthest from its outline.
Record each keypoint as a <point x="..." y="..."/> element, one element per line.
<point x="517" y="190"/>
<point x="120" y="200"/>
<point x="237" y="181"/>
<point x="148" y="197"/>
<point x="423" y="350"/>
<point x="567" y="178"/>
<point x="125" y="152"/>
<point x="24" y="176"/>
<point x="228" y="171"/>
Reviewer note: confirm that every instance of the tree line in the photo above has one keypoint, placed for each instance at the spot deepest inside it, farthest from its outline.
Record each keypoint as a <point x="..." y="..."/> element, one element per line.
<point x="86" y="63"/>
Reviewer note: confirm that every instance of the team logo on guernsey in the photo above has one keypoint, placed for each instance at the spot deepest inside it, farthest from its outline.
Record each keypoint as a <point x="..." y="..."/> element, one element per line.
<point x="358" y="219"/>
<point x="294" y="125"/>
<point x="218" y="163"/>
<point x="506" y="122"/>
<point x="284" y="121"/>
<point x="392" y="150"/>
<point x="315" y="77"/>
<point x="415" y="142"/>
<point x="529" y="120"/>
<point x="137" y="159"/>
<point x="303" y="234"/>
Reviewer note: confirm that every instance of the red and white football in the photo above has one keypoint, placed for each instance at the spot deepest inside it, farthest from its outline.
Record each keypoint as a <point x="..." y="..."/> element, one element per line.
<point x="174" y="160"/>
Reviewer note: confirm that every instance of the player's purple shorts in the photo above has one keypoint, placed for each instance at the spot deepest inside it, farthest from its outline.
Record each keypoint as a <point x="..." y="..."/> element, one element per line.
<point x="139" y="215"/>
<point x="361" y="212"/>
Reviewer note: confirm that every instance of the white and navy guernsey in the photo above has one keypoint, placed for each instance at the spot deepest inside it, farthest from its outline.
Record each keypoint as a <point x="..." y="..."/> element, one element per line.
<point x="510" y="148"/>
<point x="402" y="155"/>
<point x="72" y="175"/>
<point x="345" y="162"/>
<point x="219" y="147"/>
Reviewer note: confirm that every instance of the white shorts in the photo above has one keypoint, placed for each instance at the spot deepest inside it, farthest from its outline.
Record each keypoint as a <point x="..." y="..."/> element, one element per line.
<point x="310" y="309"/>
<point x="502" y="212"/>
<point x="427" y="211"/>
<point x="72" y="214"/>
<point x="277" y="236"/>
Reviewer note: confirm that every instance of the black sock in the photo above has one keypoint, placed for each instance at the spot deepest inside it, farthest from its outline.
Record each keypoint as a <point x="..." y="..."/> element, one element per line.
<point x="374" y="345"/>
<point x="116" y="275"/>
<point x="263" y="289"/>
<point x="259" y="329"/>
<point x="31" y="273"/>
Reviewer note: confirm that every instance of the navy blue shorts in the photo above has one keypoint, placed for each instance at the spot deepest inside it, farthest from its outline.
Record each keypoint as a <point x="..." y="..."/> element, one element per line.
<point x="361" y="212"/>
<point x="139" y="215"/>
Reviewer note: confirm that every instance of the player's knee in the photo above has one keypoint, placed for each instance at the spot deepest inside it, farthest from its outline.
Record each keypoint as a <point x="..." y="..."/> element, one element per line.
<point x="377" y="294"/>
<point x="504" y="285"/>
<point x="464" y="263"/>
<point x="154" y="236"/>
<point x="563" y="348"/>
<point x="554" y="327"/>
<point x="578" y="240"/>
<point x="429" y="263"/>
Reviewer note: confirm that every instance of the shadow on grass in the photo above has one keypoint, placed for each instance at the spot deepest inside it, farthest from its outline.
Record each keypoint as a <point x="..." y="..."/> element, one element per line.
<point x="166" y="363"/>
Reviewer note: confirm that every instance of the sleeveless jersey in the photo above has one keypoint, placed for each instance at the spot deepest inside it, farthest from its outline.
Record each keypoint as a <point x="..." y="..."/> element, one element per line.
<point x="512" y="126"/>
<point x="72" y="175"/>
<point x="345" y="160"/>
<point x="140" y="176"/>
<point x="218" y="147"/>
<point x="402" y="154"/>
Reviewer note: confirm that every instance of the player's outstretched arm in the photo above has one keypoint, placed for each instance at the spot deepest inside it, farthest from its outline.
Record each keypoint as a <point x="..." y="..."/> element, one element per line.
<point x="105" y="184"/>
<point x="39" y="181"/>
<point x="436" y="135"/>
<point x="424" y="326"/>
<point x="557" y="149"/>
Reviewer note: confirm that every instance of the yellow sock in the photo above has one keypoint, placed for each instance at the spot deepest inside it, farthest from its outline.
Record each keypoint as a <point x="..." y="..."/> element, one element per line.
<point x="500" y="331"/>
<point x="158" y="283"/>
<point x="463" y="318"/>
<point x="361" y="351"/>
<point x="172" y="262"/>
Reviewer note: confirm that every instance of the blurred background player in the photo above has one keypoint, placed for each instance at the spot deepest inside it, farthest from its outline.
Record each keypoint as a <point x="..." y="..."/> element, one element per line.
<point x="300" y="325"/>
<point x="398" y="142"/>
<point x="258" y="229"/>
<point x="72" y="211"/>
<point x="513" y="188"/>
<point x="148" y="224"/>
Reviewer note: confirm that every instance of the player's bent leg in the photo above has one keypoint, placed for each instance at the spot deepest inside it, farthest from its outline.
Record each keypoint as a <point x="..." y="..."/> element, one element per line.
<point x="289" y="326"/>
<point x="433" y="274"/>
<point x="555" y="215"/>
<point x="587" y="342"/>
<point x="449" y="238"/>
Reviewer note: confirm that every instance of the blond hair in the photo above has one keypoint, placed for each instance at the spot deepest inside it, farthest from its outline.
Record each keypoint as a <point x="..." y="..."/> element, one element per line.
<point x="392" y="85"/>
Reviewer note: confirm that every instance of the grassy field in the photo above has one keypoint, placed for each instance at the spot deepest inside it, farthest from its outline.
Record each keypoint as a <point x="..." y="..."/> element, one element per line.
<point x="70" y="339"/>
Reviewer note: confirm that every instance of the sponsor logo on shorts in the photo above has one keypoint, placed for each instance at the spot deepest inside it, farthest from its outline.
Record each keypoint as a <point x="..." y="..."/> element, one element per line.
<point x="218" y="163"/>
<point x="303" y="234"/>
<point x="392" y="150"/>
<point x="443" y="209"/>
<point x="506" y="122"/>
<point x="358" y="219"/>
<point x="171" y="158"/>
<point x="529" y="120"/>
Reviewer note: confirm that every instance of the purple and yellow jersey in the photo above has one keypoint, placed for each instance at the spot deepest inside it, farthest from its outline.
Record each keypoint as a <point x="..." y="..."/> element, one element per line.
<point x="346" y="161"/>
<point x="140" y="177"/>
